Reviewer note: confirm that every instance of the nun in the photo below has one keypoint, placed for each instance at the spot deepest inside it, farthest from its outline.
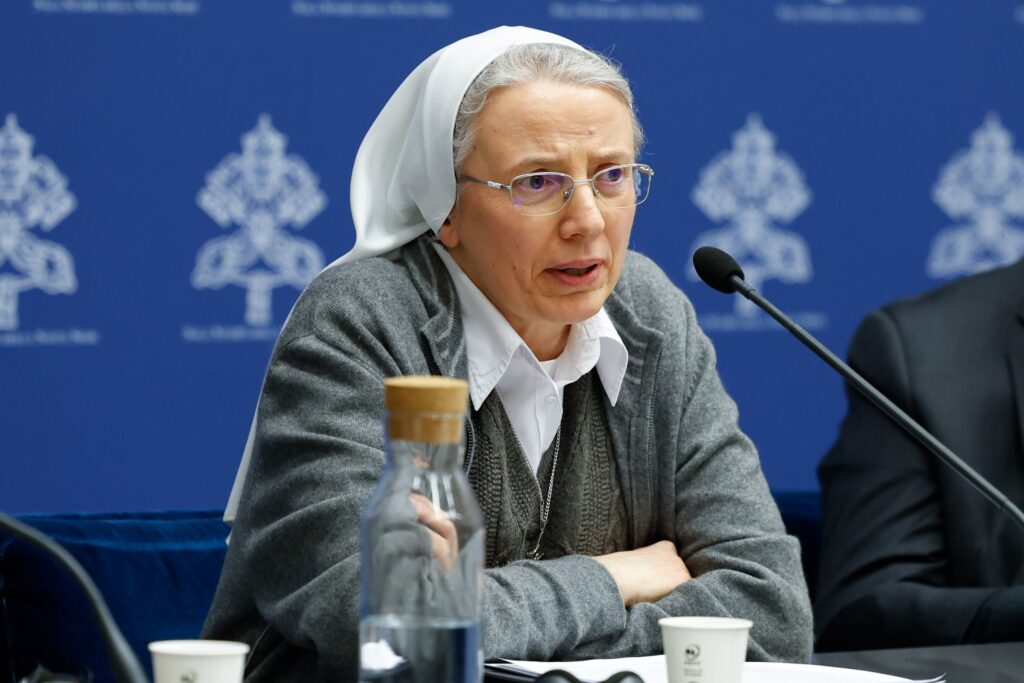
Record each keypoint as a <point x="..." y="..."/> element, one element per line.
<point x="493" y="200"/>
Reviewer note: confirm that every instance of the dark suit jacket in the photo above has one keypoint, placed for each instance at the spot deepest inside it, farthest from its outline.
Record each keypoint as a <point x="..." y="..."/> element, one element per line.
<point x="912" y="554"/>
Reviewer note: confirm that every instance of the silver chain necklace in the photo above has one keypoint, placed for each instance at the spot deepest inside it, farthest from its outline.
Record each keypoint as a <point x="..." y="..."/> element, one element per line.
<point x="545" y="508"/>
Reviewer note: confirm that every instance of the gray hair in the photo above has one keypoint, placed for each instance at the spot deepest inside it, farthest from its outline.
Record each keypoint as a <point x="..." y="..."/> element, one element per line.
<point x="534" y="62"/>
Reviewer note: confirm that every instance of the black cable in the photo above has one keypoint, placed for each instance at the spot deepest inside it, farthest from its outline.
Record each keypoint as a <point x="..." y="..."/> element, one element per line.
<point x="123" y="661"/>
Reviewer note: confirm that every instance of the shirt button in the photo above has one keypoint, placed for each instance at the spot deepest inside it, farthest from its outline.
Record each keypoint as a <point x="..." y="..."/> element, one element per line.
<point x="552" y="400"/>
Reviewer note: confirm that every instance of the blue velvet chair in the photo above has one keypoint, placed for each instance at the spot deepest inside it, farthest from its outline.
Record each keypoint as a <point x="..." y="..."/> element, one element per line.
<point x="801" y="512"/>
<point x="158" y="572"/>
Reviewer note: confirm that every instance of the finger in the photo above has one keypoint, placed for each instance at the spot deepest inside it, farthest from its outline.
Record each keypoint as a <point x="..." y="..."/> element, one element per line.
<point x="426" y="512"/>
<point x="424" y="508"/>
<point x="433" y="517"/>
<point x="438" y="524"/>
<point x="442" y="550"/>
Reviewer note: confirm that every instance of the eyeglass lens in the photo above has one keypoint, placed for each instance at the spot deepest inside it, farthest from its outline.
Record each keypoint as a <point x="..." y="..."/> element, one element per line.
<point x="547" y="192"/>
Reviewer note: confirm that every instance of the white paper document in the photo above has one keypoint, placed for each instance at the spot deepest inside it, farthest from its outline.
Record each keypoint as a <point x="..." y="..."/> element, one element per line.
<point x="652" y="670"/>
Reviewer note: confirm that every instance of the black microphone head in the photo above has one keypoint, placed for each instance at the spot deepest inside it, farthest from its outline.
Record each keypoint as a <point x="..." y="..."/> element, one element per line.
<point x="716" y="268"/>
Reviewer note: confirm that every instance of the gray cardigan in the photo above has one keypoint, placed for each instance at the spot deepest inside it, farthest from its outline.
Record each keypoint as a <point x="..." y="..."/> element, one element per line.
<point x="290" y="584"/>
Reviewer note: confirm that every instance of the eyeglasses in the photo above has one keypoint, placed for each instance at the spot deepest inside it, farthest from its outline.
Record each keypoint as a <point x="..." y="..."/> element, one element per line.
<point x="547" y="192"/>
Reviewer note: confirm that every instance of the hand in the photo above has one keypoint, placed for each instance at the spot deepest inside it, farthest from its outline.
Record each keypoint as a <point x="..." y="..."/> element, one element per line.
<point x="444" y="539"/>
<point x="646" y="574"/>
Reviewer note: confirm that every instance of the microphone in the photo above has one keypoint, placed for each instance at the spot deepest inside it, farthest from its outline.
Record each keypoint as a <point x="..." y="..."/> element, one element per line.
<point x="123" y="661"/>
<point x="720" y="271"/>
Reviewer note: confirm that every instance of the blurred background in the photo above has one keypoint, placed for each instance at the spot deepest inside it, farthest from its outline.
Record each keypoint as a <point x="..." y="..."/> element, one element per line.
<point x="172" y="172"/>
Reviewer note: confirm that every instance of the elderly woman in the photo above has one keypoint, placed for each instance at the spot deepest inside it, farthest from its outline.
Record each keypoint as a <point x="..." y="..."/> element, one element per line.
<point x="493" y="201"/>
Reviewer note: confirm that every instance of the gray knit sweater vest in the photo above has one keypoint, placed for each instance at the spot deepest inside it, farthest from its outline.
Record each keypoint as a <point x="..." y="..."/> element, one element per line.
<point x="586" y="515"/>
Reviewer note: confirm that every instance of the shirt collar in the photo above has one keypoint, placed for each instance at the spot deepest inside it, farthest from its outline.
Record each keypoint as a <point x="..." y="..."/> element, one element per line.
<point x="491" y="343"/>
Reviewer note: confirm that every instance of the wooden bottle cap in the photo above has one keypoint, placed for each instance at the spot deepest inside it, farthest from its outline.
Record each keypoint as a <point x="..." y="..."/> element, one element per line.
<point x="426" y="408"/>
<point x="425" y="394"/>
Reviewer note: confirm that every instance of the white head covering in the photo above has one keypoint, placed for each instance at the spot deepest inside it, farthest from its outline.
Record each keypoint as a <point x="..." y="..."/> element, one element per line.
<point x="402" y="181"/>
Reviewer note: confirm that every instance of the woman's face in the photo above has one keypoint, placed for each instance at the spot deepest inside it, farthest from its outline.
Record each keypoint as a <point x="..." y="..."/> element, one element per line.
<point x="543" y="273"/>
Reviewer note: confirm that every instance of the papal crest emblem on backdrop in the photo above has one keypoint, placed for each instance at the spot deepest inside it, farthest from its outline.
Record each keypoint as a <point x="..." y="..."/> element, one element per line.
<point x="33" y="194"/>
<point x="982" y="189"/>
<point x="753" y="190"/>
<point x="261" y="193"/>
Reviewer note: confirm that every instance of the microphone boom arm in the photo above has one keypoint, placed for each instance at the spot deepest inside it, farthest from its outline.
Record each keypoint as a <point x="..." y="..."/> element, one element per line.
<point x="880" y="401"/>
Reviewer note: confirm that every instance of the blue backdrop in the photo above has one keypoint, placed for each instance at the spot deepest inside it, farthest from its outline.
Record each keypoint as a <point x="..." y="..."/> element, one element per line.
<point x="847" y="151"/>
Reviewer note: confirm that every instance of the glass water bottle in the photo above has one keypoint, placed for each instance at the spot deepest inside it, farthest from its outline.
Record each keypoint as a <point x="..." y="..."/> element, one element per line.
<point x="421" y="544"/>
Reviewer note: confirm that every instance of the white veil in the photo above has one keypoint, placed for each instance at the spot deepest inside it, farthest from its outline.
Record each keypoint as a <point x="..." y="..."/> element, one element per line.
<point x="403" y="183"/>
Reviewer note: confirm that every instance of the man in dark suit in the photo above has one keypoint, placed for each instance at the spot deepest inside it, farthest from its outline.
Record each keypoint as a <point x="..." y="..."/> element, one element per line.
<point x="912" y="554"/>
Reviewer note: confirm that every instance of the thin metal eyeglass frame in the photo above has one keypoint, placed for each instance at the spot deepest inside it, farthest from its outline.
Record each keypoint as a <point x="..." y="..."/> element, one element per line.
<point x="567" y="194"/>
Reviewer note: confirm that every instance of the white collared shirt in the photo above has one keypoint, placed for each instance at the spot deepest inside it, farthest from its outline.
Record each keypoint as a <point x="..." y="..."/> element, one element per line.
<point x="531" y="391"/>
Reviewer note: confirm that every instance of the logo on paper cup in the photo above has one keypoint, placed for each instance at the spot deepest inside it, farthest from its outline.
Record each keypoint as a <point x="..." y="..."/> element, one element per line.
<point x="692" y="652"/>
<point x="189" y="676"/>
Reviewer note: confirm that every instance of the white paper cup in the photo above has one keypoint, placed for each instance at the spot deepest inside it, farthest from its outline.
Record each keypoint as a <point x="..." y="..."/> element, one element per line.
<point x="705" y="649"/>
<point x="198" y="661"/>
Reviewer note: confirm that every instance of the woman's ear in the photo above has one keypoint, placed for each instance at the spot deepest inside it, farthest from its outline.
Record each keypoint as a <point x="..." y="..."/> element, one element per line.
<point x="448" y="234"/>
